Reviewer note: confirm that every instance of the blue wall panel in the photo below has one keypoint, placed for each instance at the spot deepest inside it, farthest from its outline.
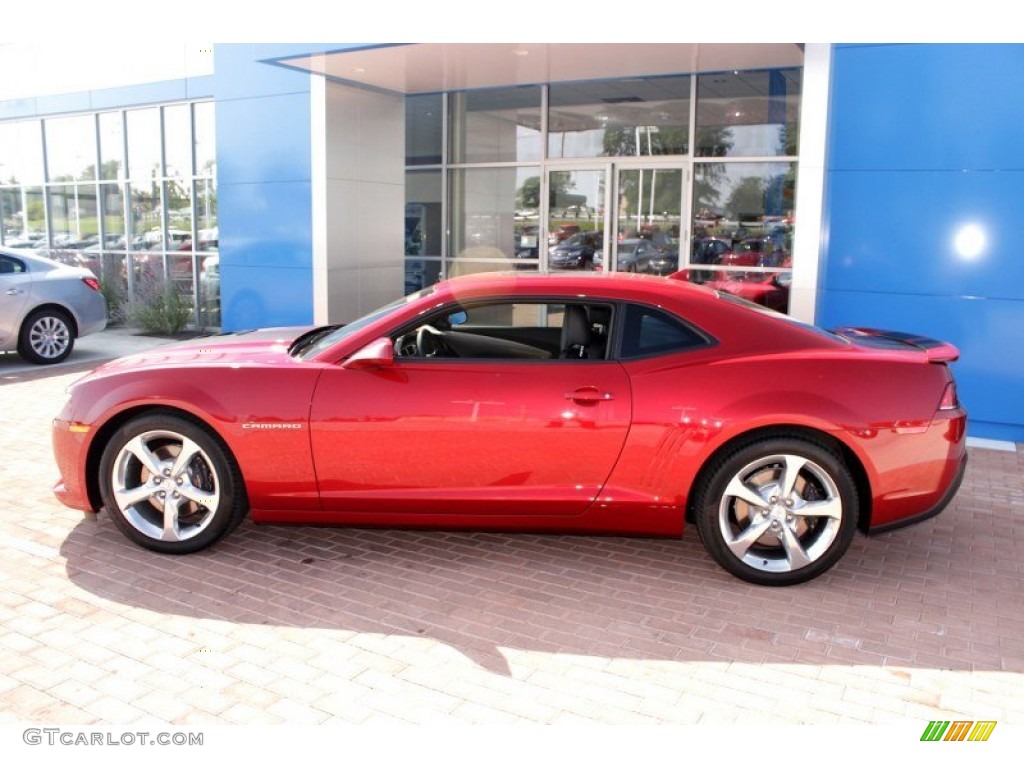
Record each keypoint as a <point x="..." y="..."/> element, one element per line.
<point x="256" y="143"/>
<point x="268" y="279"/>
<point x="924" y="140"/>
<point x="267" y="139"/>
<point x="264" y="185"/>
<point x="927" y="106"/>
<point x="896" y="232"/>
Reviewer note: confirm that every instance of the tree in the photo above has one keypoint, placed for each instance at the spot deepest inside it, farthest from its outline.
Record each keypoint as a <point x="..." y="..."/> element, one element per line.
<point x="528" y="195"/>
<point x="748" y="196"/>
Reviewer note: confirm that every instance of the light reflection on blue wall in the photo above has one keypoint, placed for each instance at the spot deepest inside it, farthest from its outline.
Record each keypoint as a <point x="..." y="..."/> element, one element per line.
<point x="264" y="185"/>
<point x="923" y="206"/>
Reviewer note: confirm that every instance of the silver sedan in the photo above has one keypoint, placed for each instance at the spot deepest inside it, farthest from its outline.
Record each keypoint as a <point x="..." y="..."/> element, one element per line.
<point x="45" y="306"/>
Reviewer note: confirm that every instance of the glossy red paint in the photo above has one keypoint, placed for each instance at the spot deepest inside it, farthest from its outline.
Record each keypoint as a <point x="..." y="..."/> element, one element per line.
<point x="351" y="433"/>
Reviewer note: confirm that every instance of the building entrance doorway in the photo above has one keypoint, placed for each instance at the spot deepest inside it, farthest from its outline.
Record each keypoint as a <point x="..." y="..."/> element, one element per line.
<point x="628" y="216"/>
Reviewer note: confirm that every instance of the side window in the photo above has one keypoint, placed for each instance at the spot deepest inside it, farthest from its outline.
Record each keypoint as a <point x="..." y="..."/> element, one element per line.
<point x="649" y="331"/>
<point x="9" y="266"/>
<point x="511" y="330"/>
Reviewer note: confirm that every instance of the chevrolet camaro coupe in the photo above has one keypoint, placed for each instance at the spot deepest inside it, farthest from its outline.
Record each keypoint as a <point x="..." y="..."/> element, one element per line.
<point x="564" y="403"/>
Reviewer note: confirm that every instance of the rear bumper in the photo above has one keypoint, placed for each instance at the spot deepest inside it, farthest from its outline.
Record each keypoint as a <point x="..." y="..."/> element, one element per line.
<point x="931" y="512"/>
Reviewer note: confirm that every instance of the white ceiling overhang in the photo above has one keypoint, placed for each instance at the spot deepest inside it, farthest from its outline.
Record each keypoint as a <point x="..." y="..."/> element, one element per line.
<point x="435" y="67"/>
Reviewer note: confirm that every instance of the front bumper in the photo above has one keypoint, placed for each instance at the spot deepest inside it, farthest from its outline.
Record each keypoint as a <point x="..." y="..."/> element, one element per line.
<point x="70" y="448"/>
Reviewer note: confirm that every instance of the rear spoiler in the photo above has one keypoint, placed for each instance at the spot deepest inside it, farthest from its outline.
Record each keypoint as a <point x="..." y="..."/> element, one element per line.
<point x="936" y="351"/>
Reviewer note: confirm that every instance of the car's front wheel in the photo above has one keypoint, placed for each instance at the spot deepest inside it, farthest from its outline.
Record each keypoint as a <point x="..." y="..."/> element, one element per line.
<point x="778" y="511"/>
<point x="170" y="485"/>
<point x="47" y="336"/>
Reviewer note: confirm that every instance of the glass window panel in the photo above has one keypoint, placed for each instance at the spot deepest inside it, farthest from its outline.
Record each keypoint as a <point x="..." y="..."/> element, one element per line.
<point x="423" y="129"/>
<point x="420" y="273"/>
<point x="86" y="210"/>
<point x="112" y="207"/>
<point x="178" y="140"/>
<point x="111" y="146"/>
<point x="744" y="226"/>
<point x="148" y="279"/>
<point x="35" y="214"/>
<point x="71" y="148"/>
<point x="424" y="226"/>
<point x="209" y="291"/>
<point x="620" y="118"/>
<point x="575" y="218"/>
<point x="144" y="225"/>
<point x="178" y="195"/>
<point x="649" y="219"/>
<point x="180" y="269"/>
<point x="496" y="125"/>
<point x="424" y="229"/>
<point x="748" y="114"/>
<point x="12" y="226"/>
<point x="61" y="202"/>
<point x="494" y="211"/>
<point x="74" y="222"/>
<point x="21" y="152"/>
<point x="206" y="215"/>
<point x="205" y="138"/>
<point x="144" y="143"/>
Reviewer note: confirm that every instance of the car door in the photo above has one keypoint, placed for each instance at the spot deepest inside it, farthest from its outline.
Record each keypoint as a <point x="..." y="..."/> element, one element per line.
<point x="15" y="284"/>
<point x="470" y="435"/>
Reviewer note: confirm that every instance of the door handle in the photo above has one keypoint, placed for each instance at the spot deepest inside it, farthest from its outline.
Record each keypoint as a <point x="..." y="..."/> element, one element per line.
<point x="14" y="291"/>
<point x="589" y="396"/>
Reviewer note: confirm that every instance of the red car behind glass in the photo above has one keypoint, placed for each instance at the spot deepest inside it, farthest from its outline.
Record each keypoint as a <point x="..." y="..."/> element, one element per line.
<point x="769" y="289"/>
<point x="573" y="402"/>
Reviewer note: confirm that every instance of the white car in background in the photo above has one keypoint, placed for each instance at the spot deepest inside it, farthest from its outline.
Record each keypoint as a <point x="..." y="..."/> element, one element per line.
<point x="46" y="305"/>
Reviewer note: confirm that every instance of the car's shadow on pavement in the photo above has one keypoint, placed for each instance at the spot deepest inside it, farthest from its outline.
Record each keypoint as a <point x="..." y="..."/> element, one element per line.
<point x="942" y="595"/>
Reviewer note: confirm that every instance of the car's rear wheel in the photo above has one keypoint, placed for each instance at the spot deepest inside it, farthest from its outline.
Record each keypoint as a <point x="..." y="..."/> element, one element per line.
<point x="47" y="336"/>
<point x="778" y="511"/>
<point x="170" y="485"/>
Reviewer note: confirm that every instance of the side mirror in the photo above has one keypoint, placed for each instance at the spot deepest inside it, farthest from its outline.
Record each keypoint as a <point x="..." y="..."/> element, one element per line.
<point x="376" y="354"/>
<point x="457" y="318"/>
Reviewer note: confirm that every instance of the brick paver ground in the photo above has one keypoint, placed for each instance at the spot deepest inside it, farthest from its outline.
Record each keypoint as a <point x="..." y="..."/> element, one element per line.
<point x="319" y="625"/>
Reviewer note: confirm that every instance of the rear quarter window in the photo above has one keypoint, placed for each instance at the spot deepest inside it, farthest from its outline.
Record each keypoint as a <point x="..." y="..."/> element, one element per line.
<point x="649" y="331"/>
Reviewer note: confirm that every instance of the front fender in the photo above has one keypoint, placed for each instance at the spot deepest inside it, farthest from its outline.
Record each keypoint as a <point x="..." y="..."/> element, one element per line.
<point x="261" y="414"/>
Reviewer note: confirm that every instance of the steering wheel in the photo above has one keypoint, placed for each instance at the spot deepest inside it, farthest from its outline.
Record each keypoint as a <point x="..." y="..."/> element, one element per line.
<point x="428" y="341"/>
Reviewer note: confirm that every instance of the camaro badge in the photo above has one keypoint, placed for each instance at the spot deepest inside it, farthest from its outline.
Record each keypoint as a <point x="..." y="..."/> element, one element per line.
<point x="272" y="425"/>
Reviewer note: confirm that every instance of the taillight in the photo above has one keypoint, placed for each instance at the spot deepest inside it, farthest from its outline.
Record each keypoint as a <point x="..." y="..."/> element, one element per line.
<point x="949" y="400"/>
<point x="92" y="282"/>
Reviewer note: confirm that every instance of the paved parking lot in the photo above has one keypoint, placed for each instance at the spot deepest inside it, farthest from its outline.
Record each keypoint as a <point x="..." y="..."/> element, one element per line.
<point x="311" y="625"/>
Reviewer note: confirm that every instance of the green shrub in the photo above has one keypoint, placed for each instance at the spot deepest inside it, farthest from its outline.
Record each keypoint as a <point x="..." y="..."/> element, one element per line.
<point x="159" y="307"/>
<point x="114" y="296"/>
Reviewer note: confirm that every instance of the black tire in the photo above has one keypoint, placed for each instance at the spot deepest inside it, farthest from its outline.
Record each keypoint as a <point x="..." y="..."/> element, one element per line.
<point x="756" y="521"/>
<point x="47" y="336"/>
<point x="204" y="498"/>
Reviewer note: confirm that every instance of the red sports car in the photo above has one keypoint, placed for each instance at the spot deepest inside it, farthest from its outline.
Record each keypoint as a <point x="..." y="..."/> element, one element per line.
<point x="769" y="289"/>
<point x="619" y="404"/>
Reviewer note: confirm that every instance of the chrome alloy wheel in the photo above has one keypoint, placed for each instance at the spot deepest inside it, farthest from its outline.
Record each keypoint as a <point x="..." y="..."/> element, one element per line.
<point x="780" y="513"/>
<point x="165" y="486"/>
<point x="49" y="337"/>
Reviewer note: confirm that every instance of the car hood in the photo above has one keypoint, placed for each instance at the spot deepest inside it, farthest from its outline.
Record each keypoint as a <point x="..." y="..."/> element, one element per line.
<point x="257" y="347"/>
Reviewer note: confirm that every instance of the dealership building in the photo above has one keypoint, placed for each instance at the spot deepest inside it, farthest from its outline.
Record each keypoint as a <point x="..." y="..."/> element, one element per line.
<point x="870" y="185"/>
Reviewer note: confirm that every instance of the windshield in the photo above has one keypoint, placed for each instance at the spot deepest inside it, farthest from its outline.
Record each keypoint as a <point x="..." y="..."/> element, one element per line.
<point x="330" y="335"/>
